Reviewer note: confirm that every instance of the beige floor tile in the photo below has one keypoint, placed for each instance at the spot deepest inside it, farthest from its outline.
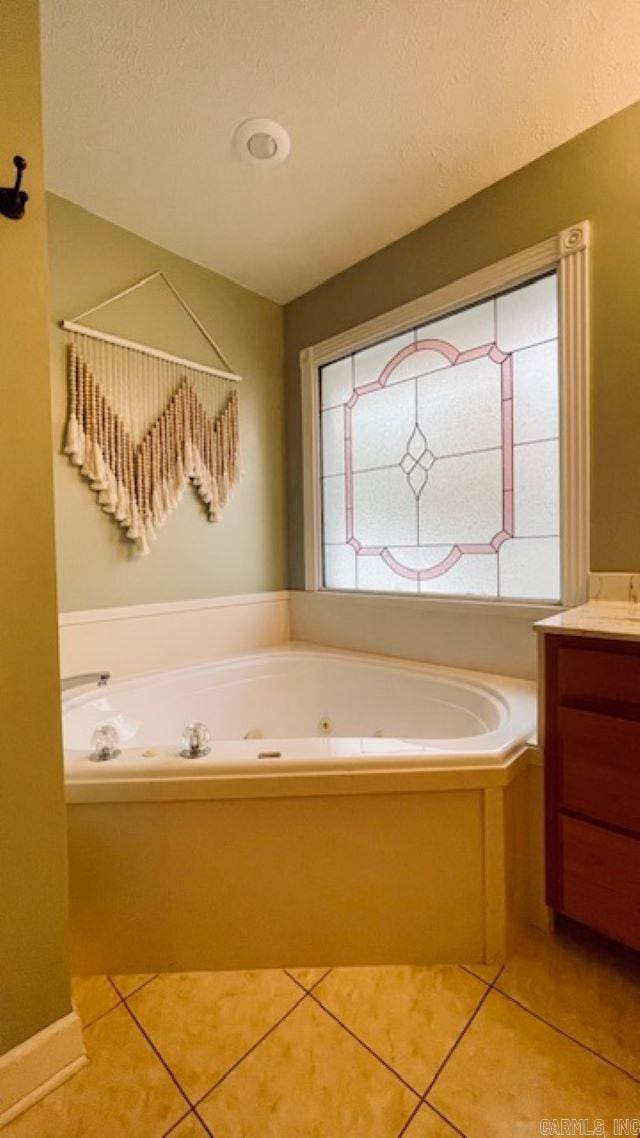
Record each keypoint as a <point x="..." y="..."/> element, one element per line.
<point x="123" y="1091"/>
<point x="92" y="996"/>
<point x="128" y="984"/>
<point x="308" y="1079"/>
<point x="203" y="1022"/>
<point x="409" y="1016"/>
<point x="308" y="977"/>
<point x="486" y="972"/>
<point x="428" y="1124"/>
<point x="510" y="1070"/>
<point x="190" y="1127"/>
<point x="589" y="990"/>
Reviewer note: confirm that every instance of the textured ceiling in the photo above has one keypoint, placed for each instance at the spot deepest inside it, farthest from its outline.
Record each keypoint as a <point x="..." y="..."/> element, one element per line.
<point x="397" y="109"/>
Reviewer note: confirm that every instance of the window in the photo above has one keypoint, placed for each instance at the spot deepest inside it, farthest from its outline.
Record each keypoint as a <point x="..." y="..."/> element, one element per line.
<point x="439" y="451"/>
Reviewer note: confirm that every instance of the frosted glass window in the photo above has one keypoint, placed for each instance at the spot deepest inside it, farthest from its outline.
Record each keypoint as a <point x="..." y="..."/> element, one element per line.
<point x="378" y="426"/>
<point x="440" y="455"/>
<point x="467" y="328"/>
<point x="369" y="363"/>
<point x="337" y="382"/>
<point x="464" y="500"/>
<point x="528" y="315"/>
<point x="535" y="393"/>
<point x="333" y="441"/>
<point x="333" y="509"/>
<point x="340" y="567"/>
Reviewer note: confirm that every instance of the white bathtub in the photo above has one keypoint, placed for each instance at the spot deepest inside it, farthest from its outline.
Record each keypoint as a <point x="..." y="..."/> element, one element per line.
<point x="399" y="836"/>
<point x="296" y="710"/>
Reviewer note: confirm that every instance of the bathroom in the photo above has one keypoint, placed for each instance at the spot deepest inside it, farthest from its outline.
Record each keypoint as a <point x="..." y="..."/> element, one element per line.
<point x="320" y="804"/>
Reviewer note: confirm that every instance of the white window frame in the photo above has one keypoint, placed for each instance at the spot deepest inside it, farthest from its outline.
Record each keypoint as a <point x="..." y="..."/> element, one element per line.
<point x="568" y="254"/>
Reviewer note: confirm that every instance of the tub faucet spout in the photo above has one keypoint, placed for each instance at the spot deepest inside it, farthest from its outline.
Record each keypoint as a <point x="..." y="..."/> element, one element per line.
<point x="99" y="678"/>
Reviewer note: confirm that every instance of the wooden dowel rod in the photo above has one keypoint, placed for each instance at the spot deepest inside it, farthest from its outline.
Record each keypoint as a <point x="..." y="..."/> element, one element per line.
<point x="71" y="326"/>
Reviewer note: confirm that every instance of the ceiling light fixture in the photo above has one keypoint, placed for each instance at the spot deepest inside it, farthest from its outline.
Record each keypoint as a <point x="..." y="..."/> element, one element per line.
<point x="261" y="142"/>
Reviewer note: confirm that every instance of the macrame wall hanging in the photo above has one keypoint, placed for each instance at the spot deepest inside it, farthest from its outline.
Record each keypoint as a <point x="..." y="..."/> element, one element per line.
<point x="143" y="424"/>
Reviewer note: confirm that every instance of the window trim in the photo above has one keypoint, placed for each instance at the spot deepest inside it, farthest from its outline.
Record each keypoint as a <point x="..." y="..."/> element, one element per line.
<point x="568" y="254"/>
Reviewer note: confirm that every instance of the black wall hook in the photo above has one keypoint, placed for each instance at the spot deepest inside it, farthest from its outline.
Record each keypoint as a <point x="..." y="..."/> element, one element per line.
<point x="12" y="198"/>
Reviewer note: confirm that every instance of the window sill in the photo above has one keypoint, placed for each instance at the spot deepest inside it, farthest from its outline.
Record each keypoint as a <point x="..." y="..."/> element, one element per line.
<point x="525" y="611"/>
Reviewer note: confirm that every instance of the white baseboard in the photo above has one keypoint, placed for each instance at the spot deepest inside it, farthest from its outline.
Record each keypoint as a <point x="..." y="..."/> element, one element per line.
<point x="144" y="638"/>
<point x="34" y="1068"/>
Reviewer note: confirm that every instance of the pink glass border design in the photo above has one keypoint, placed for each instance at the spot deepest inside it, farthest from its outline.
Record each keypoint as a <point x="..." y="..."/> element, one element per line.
<point x="453" y="356"/>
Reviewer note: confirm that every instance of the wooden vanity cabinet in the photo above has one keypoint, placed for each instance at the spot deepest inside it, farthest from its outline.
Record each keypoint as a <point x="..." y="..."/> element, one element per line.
<point x="592" y="782"/>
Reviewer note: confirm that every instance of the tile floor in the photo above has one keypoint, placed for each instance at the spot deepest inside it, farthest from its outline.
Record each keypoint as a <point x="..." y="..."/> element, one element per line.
<point x="358" y="1052"/>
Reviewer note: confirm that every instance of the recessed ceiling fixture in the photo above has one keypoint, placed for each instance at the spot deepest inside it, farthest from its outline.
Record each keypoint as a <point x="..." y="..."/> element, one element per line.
<point x="262" y="142"/>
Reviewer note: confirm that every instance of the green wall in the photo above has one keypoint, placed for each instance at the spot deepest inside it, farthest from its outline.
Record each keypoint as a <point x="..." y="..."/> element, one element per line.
<point x="594" y="176"/>
<point x="244" y="552"/>
<point x="34" y="977"/>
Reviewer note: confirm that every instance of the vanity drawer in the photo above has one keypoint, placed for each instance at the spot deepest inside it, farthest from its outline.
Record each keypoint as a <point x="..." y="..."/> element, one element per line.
<point x="600" y="767"/>
<point x="588" y="674"/>
<point x="601" y="879"/>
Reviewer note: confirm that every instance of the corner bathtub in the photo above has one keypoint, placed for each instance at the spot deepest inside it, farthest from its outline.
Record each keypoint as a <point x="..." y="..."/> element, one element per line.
<point x="295" y="710"/>
<point x="353" y="809"/>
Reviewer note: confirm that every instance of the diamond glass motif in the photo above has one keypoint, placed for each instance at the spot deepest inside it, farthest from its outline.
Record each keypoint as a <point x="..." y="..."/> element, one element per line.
<point x="461" y="508"/>
<point x="417" y="461"/>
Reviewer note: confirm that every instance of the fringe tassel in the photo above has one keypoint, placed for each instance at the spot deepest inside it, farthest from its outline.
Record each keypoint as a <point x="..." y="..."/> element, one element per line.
<point x="139" y="484"/>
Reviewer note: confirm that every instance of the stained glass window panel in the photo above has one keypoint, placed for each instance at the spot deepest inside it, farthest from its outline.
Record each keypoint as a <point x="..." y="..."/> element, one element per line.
<point x="333" y="441"/>
<point x="337" y="382"/>
<point x="529" y="567"/>
<point x="444" y="400"/>
<point x="378" y="426"/>
<point x="368" y="363"/>
<point x="537" y="486"/>
<point x="339" y="567"/>
<point x="375" y="576"/>
<point x="467" y="328"/>
<point x="385" y="507"/>
<point x="440" y="455"/>
<point x="528" y="315"/>
<point x="464" y="499"/>
<point x="535" y="393"/>
<point x="333" y="509"/>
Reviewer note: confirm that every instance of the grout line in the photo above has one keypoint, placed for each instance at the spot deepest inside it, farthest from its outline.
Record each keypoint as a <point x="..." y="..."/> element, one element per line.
<point x="158" y="1054"/>
<point x="301" y="985"/>
<point x="116" y="990"/>
<point x="298" y="982"/>
<point x="133" y="990"/>
<point x="411" y="1117"/>
<point x="250" y="1049"/>
<point x="572" y="1038"/>
<point x="365" y="1045"/>
<point x="203" y="1123"/>
<point x="434" y="1109"/>
<point x="101" y="1015"/>
<point x="457" y="1041"/>
<point x="444" y="1118"/>
<point x="482" y="980"/>
<point x="175" y="1125"/>
<point x="190" y="1113"/>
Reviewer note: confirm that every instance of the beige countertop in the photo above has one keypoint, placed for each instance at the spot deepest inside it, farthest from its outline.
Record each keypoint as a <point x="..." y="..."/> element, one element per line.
<point x="618" y="620"/>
